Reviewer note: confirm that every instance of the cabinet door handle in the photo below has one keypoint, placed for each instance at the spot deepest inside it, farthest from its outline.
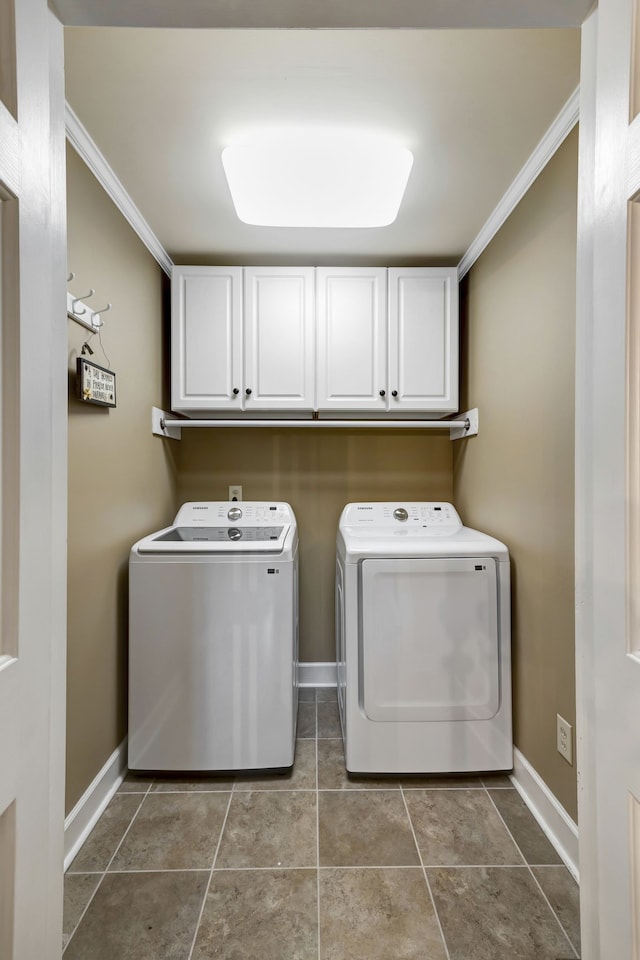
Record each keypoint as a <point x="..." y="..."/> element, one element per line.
<point x="394" y="393"/>
<point x="248" y="391"/>
<point x="382" y="393"/>
<point x="235" y="391"/>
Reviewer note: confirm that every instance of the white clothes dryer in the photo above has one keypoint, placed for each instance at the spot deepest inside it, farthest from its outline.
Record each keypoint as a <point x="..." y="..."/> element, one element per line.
<point x="213" y="640"/>
<point x="423" y="641"/>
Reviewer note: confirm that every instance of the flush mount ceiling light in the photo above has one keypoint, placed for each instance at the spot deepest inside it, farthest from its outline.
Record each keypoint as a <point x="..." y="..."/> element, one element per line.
<point x="317" y="179"/>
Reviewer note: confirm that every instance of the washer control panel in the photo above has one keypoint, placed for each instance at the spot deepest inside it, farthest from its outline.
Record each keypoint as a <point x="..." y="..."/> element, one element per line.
<point x="218" y="513"/>
<point x="422" y="518"/>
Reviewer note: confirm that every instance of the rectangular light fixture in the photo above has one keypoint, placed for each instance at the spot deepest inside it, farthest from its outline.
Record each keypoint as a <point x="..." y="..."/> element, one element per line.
<point x="317" y="178"/>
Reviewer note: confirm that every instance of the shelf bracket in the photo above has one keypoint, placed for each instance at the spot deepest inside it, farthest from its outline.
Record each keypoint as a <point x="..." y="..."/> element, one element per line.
<point x="460" y="433"/>
<point x="158" y="427"/>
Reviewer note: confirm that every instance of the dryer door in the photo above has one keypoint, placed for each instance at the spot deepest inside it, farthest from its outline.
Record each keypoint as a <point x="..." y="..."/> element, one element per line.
<point x="429" y="644"/>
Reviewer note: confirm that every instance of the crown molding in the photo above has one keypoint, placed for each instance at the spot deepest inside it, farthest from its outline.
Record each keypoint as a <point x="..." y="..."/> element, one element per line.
<point x="85" y="146"/>
<point x="553" y="138"/>
<point x="561" y="127"/>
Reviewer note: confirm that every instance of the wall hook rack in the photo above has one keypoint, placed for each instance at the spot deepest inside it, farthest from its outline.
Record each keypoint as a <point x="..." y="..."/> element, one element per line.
<point x="81" y="312"/>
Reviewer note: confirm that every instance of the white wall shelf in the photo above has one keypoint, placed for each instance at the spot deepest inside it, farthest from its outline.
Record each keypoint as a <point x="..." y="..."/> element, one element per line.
<point x="466" y="425"/>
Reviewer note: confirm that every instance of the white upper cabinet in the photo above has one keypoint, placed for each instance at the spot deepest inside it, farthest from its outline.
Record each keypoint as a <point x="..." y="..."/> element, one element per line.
<point x="206" y="332"/>
<point x="423" y="339"/>
<point x="278" y="338"/>
<point x="350" y="340"/>
<point x="351" y="359"/>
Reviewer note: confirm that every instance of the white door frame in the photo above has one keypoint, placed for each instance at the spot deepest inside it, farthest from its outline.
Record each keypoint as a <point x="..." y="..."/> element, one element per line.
<point x="33" y="488"/>
<point x="585" y="749"/>
<point x="608" y="683"/>
<point x="59" y="482"/>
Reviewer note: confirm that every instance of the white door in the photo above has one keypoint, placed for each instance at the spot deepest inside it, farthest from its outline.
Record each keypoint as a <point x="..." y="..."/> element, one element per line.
<point x="278" y="338"/>
<point x="608" y="486"/>
<point x="423" y="339"/>
<point x="206" y="338"/>
<point x="33" y="390"/>
<point x="352" y="339"/>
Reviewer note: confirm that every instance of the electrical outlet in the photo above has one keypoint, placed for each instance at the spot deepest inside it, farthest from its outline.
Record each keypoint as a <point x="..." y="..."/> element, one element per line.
<point x="565" y="745"/>
<point x="235" y="492"/>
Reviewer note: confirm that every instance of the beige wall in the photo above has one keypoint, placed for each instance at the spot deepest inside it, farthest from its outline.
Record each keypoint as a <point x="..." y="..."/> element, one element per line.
<point x="121" y="478"/>
<point x="515" y="480"/>
<point x="317" y="472"/>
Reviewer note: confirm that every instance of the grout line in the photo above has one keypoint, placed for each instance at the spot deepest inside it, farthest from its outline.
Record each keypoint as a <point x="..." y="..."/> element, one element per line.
<point x="405" y="786"/>
<point x="350" y="789"/>
<point x="119" y="873"/>
<point x="513" y="839"/>
<point x="89" y="902"/>
<point x="326" y="867"/>
<point x="124" y="835"/>
<point x="103" y="872"/>
<point x="426" y="879"/>
<point x="245" y="786"/>
<point x="206" y="890"/>
<point x="539" y="886"/>
<point x="317" y="838"/>
<point x="186" y="793"/>
<point x="532" y="874"/>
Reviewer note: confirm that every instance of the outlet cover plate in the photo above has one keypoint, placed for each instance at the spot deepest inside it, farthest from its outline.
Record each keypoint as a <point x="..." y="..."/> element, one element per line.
<point x="235" y="491"/>
<point x="564" y="739"/>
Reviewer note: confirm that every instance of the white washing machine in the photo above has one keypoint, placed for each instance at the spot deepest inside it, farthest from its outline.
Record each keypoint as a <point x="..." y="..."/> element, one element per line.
<point x="423" y="641"/>
<point x="213" y="640"/>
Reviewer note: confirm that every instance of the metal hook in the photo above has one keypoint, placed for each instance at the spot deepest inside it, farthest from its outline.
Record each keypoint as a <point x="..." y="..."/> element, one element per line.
<point x="71" y="277"/>
<point x="84" y="296"/>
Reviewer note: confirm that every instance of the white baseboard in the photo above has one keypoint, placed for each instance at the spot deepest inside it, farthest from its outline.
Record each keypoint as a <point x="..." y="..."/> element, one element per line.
<point x="317" y="674"/>
<point x="87" y="811"/>
<point x="558" y="826"/>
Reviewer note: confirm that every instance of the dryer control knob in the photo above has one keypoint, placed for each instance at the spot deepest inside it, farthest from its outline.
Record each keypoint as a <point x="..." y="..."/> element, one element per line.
<point x="401" y="514"/>
<point x="235" y="513"/>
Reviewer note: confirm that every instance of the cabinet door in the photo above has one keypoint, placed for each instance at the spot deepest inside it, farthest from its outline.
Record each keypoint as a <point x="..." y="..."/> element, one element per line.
<point x="423" y="339"/>
<point x="206" y="338"/>
<point x="278" y="338"/>
<point x="351" y="369"/>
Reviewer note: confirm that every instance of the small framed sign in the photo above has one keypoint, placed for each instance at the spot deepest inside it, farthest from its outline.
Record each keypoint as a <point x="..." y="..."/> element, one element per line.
<point x="95" y="384"/>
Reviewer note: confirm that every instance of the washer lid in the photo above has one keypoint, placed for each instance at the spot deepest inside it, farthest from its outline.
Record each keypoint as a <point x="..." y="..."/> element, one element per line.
<point x="230" y="539"/>
<point x="225" y="527"/>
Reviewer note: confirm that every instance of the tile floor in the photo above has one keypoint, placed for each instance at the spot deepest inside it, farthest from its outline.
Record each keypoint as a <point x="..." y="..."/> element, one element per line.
<point x="318" y="866"/>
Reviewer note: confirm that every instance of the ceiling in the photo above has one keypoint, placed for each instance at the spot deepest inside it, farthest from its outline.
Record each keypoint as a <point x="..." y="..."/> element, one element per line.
<point x="471" y="104"/>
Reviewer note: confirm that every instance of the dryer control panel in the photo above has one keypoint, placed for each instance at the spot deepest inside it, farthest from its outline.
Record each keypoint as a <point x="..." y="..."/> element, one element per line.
<point x="421" y="518"/>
